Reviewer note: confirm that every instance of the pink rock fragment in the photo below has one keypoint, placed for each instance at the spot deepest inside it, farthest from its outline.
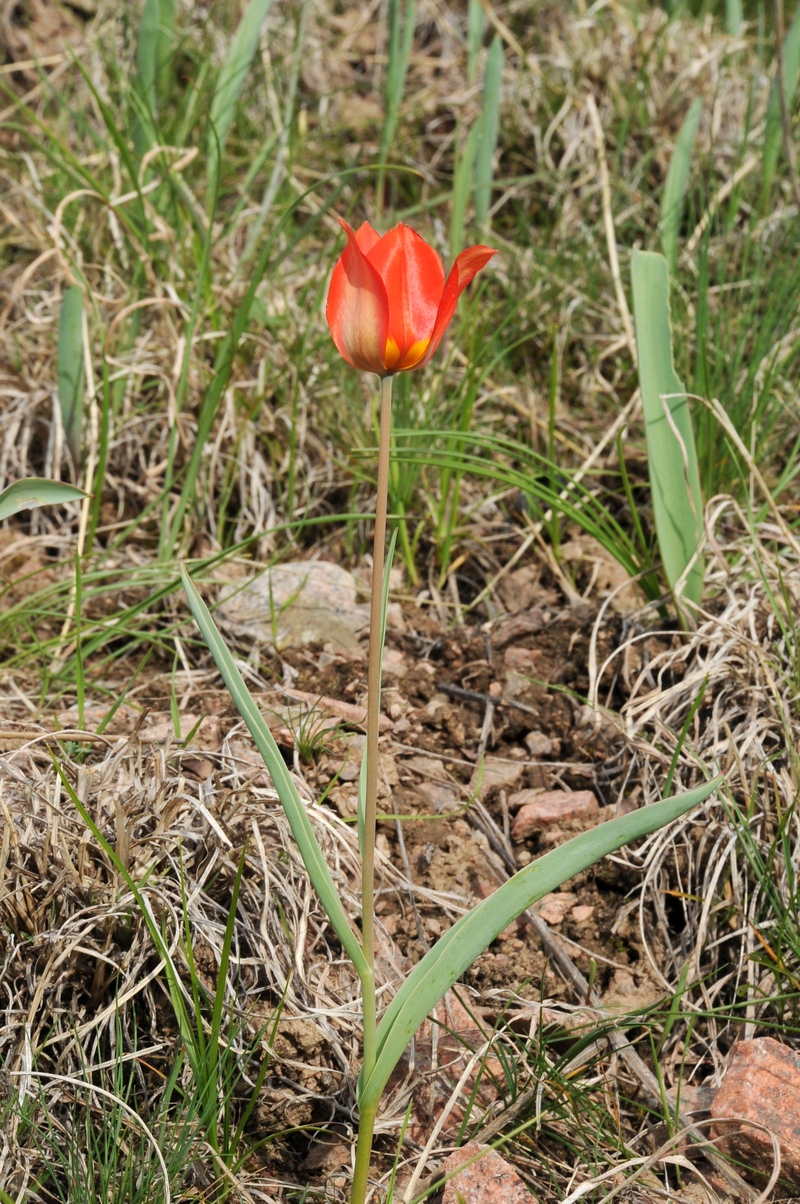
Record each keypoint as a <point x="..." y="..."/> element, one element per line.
<point x="552" y="807"/>
<point x="487" y="1180"/>
<point x="761" y="1084"/>
<point x="554" y="908"/>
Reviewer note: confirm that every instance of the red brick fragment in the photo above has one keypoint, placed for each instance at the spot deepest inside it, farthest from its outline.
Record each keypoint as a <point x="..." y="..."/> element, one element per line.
<point x="552" y="807"/>
<point x="761" y="1084"/>
<point x="488" y="1180"/>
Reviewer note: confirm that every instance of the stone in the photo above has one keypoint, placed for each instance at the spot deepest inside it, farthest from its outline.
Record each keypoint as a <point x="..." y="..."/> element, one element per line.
<point x="488" y="1179"/>
<point x="761" y="1084"/>
<point x="538" y="744"/>
<point x="555" y="907"/>
<point x="537" y="811"/>
<point x="439" y="796"/>
<point x="521" y="660"/>
<point x="394" y="663"/>
<point x="294" y="604"/>
<point x="499" y="774"/>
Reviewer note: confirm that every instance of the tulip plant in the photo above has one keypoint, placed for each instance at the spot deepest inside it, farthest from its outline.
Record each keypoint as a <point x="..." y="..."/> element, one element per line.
<point x="389" y="306"/>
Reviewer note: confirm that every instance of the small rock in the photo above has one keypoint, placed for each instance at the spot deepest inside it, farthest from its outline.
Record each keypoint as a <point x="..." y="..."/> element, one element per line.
<point x="762" y="1084"/>
<point x="499" y="774"/>
<point x="512" y="627"/>
<point x="425" y="764"/>
<point x="297" y="603"/>
<point x="350" y="771"/>
<point x="582" y="913"/>
<point x="552" y="807"/>
<point x="555" y="907"/>
<point x="539" y="745"/>
<point x="521" y="660"/>
<point x="438" y="796"/>
<point x="394" y="663"/>
<point x="487" y="1180"/>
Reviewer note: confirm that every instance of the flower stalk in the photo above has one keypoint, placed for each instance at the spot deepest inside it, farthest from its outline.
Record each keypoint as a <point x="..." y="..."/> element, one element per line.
<point x="374" y="707"/>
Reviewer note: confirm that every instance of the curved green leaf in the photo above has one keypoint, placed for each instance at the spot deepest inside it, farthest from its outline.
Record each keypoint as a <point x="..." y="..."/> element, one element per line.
<point x="671" y="454"/>
<point x="489" y="130"/>
<point x="36" y="491"/>
<point x="773" y="131"/>
<point x="70" y="368"/>
<point x="450" y="957"/>
<point x="672" y="201"/>
<point x="291" y="802"/>
<point x="231" y="82"/>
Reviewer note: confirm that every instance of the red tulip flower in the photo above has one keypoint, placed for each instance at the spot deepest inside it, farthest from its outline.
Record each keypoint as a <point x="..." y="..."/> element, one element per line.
<point x="389" y="303"/>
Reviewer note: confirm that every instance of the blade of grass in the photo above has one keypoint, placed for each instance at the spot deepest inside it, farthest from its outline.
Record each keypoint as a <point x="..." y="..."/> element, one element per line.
<point x="300" y="824"/>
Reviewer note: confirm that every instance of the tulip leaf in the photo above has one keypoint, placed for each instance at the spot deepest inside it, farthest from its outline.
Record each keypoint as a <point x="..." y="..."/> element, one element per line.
<point x="462" y="185"/>
<point x="444" y="964"/>
<point x="476" y="22"/>
<point x="671" y="454"/>
<point x="773" y="132"/>
<point x="231" y="82"/>
<point x="154" y="46"/>
<point x="36" y="491"/>
<point x="489" y="130"/>
<point x="291" y="802"/>
<point x="70" y="368"/>
<point x="672" y="202"/>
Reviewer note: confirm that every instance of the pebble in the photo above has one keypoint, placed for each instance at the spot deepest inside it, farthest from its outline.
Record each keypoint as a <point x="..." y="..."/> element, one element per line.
<point x="297" y="603"/>
<point x="487" y="1180"/>
<point x="761" y="1084"/>
<point x="536" y="811"/>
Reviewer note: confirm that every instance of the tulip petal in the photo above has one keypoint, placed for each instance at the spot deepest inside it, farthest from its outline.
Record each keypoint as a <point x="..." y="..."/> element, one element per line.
<point x="366" y="237"/>
<point x="413" y="275"/>
<point x="357" y="308"/>
<point x="465" y="268"/>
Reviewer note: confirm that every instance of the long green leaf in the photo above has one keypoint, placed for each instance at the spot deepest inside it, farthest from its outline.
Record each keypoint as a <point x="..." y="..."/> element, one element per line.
<point x="476" y="20"/>
<point x="671" y="454"/>
<point x="462" y="186"/>
<point x="70" y="368"/>
<point x="473" y="933"/>
<point x="733" y="17"/>
<point x="401" y="20"/>
<point x="490" y="127"/>
<point x="36" y="491"/>
<point x="230" y="83"/>
<point x="773" y="131"/>
<point x="156" y="32"/>
<point x="672" y="202"/>
<point x="291" y="802"/>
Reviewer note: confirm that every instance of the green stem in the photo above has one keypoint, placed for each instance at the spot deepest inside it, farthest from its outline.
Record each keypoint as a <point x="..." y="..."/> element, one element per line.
<point x="366" y="1126"/>
<point x="366" y="1122"/>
